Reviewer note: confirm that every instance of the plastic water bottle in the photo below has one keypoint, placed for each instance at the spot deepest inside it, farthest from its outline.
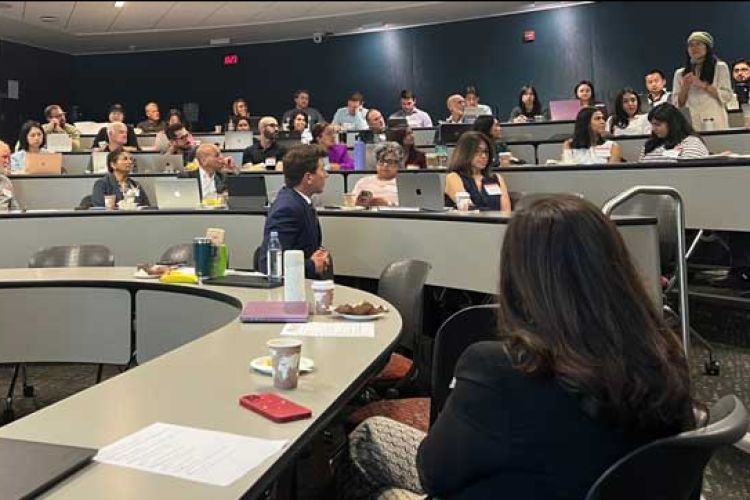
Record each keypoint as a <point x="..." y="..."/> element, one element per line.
<point x="274" y="258"/>
<point x="359" y="154"/>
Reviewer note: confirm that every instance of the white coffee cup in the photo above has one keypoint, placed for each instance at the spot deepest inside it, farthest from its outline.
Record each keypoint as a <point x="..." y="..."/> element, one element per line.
<point x="285" y="356"/>
<point x="463" y="201"/>
<point x="708" y="124"/>
<point x="109" y="201"/>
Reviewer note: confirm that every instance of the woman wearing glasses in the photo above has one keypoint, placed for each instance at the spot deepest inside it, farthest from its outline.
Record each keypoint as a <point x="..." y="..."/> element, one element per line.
<point x="469" y="172"/>
<point x="389" y="157"/>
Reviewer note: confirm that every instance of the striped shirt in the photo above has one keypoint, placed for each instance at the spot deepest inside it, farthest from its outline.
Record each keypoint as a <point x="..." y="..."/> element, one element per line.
<point x="690" y="147"/>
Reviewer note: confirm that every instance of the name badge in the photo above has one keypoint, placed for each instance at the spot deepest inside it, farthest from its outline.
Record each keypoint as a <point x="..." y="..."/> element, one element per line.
<point x="493" y="189"/>
<point x="271" y="162"/>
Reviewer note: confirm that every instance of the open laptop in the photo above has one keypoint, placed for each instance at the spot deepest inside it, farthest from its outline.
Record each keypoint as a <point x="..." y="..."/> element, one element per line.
<point x="397" y="123"/>
<point x="159" y="164"/>
<point x="564" y="110"/>
<point x="287" y="139"/>
<point x="99" y="162"/>
<point x="44" y="163"/>
<point x="246" y="192"/>
<point x="177" y="193"/>
<point x="238" y="139"/>
<point x="450" y="132"/>
<point x="420" y="192"/>
<point x="59" y="143"/>
<point x="471" y="113"/>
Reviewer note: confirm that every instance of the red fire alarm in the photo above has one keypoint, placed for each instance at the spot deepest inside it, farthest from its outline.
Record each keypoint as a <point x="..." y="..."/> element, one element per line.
<point x="231" y="59"/>
<point x="529" y="36"/>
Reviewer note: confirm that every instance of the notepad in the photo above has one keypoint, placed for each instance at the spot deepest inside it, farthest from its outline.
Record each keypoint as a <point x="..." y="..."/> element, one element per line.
<point x="274" y="312"/>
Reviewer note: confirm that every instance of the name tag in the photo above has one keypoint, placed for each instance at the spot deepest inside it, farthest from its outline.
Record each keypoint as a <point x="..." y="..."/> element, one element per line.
<point x="271" y="162"/>
<point x="493" y="189"/>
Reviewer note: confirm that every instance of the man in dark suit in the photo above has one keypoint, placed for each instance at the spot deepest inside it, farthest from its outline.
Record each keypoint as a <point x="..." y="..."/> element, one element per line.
<point x="212" y="170"/>
<point x="293" y="216"/>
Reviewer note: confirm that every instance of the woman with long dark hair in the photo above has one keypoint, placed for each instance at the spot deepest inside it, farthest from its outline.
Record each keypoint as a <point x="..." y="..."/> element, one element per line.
<point x="672" y="136"/>
<point x="586" y="94"/>
<point x="627" y="119"/>
<point x="703" y="84"/>
<point x="31" y="139"/>
<point x="490" y="126"/>
<point x="588" y="145"/>
<point x="584" y="370"/>
<point x="529" y="106"/>
<point x="405" y="138"/>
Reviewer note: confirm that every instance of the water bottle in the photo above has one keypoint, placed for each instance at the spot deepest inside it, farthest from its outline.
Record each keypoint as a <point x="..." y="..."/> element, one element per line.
<point x="274" y="256"/>
<point x="359" y="154"/>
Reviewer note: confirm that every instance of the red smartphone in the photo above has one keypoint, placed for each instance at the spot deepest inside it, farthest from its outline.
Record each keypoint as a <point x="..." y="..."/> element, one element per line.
<point x="274" y="407"/>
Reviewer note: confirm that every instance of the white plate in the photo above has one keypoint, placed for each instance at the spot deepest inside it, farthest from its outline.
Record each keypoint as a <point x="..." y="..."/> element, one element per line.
<point x="358" y="317"/>
<point x="146" y="277"/>
<point x="263" y="365"/>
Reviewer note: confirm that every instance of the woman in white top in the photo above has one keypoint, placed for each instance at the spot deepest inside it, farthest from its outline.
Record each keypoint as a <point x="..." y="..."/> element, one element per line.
<point x="31" y="139"/>
<point x="626" y="119"/>
<point x="672" y="136"/>
<point x="588" y="146"/>
<point x="389" y="157"/>
<point x="703" y="84"/>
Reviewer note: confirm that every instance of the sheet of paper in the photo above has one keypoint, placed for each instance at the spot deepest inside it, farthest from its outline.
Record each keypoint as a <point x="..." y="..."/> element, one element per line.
<point x="320" y="329"/>
<point x="205" y="456"/>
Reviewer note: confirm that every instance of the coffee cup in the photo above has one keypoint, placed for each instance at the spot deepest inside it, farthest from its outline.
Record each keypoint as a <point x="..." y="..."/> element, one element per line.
<point x="463" y="201"/>
<point x="350" y="199"/>
<point x="323" y="296"/>
<point x="708" y="124"/>
<point x="110" y="201"/>
<point x="538" y="118"/>
<point x="505" y="158"/>
<point x="285" y="356"/>
<point x="217" y="129"/>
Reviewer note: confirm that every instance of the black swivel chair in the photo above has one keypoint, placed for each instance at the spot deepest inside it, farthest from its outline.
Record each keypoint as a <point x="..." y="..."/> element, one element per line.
<point x="181" y="253"/>
<point x="672" y="468"/>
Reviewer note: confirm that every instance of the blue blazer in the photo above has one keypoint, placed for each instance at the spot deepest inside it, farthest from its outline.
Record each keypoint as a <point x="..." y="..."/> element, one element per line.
<point x="297" y="224"/>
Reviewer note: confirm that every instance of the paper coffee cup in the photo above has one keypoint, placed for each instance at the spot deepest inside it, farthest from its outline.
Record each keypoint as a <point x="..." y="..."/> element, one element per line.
<point x="285" y="356"/>
<point x="463" y="200"/>
<point x="109" y="201"/>
<point x="350" y="199"/>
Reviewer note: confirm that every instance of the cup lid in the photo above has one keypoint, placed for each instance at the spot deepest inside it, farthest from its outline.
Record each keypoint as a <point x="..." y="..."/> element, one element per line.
<point x="283" y="342"/>
<point x="322" y="284"/>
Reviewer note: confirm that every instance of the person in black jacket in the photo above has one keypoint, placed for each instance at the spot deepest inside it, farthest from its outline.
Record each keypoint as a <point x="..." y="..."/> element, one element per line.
<point x="212" y="171"/>
<point x="116" y="115"/>
<point x="584" y="371"/>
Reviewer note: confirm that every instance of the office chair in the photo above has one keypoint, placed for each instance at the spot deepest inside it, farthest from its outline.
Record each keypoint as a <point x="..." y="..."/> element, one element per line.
<point x="85" y="203"/>
<point x="181" y="253"/>
<point x="672" y="468"/>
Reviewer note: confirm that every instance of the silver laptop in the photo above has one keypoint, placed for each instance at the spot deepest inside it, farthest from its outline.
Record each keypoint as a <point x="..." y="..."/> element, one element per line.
<point x="177" y="193"/>
<point x="99" y="162"/>
<point x="238" y="139"/>
<point x="156" y="163"/>
<point x="59" y="143"/>
<point x="423" y="191"/>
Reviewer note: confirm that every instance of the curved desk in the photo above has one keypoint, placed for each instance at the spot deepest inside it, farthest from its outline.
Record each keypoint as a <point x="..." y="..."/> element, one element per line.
<point x="197" y="384"/>
<point x="463" y="248"/>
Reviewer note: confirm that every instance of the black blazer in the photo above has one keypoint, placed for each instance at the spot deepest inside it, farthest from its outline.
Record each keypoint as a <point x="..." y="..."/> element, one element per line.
<point x="297" y="224"/>
<point x="220" y="179"/>
<point x="507" y="434"/>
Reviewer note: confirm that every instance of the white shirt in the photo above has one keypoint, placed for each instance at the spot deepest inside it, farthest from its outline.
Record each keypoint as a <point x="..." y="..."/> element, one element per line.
<point x="638" y="125"/>
<point x="666" y="96"/>
<point x="690" y="147"/>
<point x="303" y="195"/>
<point x="702" y="104"/>
<point x="379" y="188"/>
<point x="589" y="156"/>
<point x="208" y="185"/>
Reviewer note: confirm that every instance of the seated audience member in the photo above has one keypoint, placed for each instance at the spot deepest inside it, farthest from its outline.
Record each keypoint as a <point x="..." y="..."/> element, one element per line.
<point x="741" y="77"/>
<point x="161" y="141"/>
<point x="415" y="118"/>
<point x="489" y="126"/>
<point x="389" y="157"/>
<point x="239" y="110"/>
<point x="350" y="117"/>
<point x="565" y="272"/>
<point x="31" y="139"/>
<point x="117" y="115"/>
<point x="455" y="104"/>
<point x="153" y="122"/>
<point x="302" y="103"/>
<point x="56" y="125"/>
<point x="376" y="123"/>
<point x="586" y="95"/>
<point x="588" y="145"/>
<point x="413" y="158"/>
<point x="241" y="123"/>
<point x="266" y="153"/>
<point x="672" y="136"/>
<point x="703" y="84"/>
<point x="299" y="126"/>
<point x="471" y="95"/>
<point x="529" y="106"/>
<point x="292" y="214"/>
<point x="656" y="84"/>
<point x="469" y="172"/>
<point x="117" y="135"/>
<point x="627" y="119"/>
<point x="179" y="142"/>
<point x="212" y="170"/>
<point x="7" y="200"/>
<point x="118" y="181"/>
<point x="338" y="156"/>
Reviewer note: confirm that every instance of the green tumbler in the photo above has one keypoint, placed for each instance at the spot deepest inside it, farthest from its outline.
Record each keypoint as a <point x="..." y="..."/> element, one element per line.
<point x="220" y="261"/>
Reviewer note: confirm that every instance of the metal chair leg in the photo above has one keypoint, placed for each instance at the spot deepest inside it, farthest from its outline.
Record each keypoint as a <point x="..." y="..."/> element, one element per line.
<point x="8" y="414"/>
<point x="28" y="390"/>
<point x="99" y="373"/>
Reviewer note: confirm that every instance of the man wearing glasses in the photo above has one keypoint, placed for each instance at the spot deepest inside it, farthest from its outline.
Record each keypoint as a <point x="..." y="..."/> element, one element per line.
<point x="56" y="125"/>
<point x="267" y="153"/>
<point x="179" y="142"/>
<point x="380" y="189"/>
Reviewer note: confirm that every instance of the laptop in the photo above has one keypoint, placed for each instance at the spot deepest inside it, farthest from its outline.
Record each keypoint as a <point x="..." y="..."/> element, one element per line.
<point x="397" y="123"/>
<point x="159" y="164"/>
<point x="471" y="113"/>
<point x="44" y="163"/>
<point x="59" y="143"/>
<point x="28" y="468"/>
<point x="99" y="162"/>
<point x="422" y="191"/>
<point x="287" y="139"/>
<point x="451" y="132"/>
<point x="246" y="192"/>
<point x="177" y="193"/>
<point x="564" y="110"/>
<point x="238" y="139"/>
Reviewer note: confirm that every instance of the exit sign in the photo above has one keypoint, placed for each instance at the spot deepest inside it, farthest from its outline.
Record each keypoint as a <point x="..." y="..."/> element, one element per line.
<point x="231" y="60"/>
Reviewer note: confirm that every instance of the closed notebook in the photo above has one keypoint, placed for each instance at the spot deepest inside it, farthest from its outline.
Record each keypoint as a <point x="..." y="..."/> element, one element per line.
<point x="275" y="312"/>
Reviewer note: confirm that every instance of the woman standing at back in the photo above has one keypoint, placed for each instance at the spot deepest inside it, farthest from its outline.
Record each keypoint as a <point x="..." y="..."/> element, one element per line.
<point x="703" y="84"/>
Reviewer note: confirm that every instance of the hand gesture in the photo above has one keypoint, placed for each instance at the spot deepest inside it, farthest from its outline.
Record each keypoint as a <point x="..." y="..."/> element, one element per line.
<point x="320" y="260"/>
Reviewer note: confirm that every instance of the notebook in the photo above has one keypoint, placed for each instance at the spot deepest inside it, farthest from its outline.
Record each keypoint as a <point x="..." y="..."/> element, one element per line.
<point x="274" y="312"/>
<point x="29" y="468"/>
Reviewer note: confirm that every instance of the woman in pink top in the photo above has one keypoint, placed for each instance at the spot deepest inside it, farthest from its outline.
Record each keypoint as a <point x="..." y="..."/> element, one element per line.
<point x="338" y="157"/>
<point x="389" y="157"/>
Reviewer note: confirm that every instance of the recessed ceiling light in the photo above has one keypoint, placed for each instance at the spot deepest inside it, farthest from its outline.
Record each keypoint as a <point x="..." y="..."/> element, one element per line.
<point x="219" y="41"/>
<point x="119" y="5"/>
<point x="372" y="26"/>
<point x="49" y="19"/>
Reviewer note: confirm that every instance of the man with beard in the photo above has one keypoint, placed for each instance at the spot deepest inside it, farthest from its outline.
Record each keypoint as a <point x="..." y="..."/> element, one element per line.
<point x="266" y="153"/>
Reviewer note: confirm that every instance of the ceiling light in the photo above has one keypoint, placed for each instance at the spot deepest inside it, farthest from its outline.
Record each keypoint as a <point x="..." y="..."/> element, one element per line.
<point x="372" y="26"/>
<point x="119" y="5"/>
<point x="49" y="19"/>
<point x="219" y="41"/>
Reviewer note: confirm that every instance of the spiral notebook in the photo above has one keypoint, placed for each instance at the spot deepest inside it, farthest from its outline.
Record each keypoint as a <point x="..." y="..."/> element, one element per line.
<point x="274" y="312"/>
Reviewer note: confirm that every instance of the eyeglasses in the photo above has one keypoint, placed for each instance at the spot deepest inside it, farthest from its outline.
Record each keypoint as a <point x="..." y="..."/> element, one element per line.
<point x="390" y="163"/>
<point x="482" y="151"/>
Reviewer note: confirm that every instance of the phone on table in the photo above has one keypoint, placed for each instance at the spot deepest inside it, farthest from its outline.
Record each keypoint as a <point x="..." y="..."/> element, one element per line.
<point x="274" y="407"/>
<point x="364" y="198"/>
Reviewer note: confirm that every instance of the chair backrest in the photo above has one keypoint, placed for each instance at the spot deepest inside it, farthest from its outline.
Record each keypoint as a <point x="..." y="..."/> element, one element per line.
<point x="86" y="202"/>
<point x="73" y="256"/>
<point x="402" y="284"/>
<point x="181" y="253"/>
<point x="467" y="326"/>
<point x="672" y="468"/>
